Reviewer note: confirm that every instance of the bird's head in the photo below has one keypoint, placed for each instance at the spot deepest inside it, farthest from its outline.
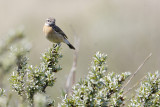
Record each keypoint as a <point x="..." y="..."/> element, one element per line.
<point x="50" y="21"/>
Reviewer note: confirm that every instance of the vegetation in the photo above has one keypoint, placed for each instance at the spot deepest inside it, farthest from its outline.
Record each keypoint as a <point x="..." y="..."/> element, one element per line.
<point x="99" y="88"/>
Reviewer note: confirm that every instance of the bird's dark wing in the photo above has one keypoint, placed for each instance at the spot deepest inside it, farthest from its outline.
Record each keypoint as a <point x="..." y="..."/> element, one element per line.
<point x="58" y="30"/>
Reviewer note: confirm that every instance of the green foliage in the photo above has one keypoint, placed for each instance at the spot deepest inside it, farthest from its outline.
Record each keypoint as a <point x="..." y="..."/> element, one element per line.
<point x="40" y="100"/>
<point x="29" y="80"/>
<point x="2" y="92"/>
<point x="148" y="94"/>
<point x="12" y="38"/>
<point x="7" y="61"/>
<point x="3" y="99"/>
<point x="98" y="89"/>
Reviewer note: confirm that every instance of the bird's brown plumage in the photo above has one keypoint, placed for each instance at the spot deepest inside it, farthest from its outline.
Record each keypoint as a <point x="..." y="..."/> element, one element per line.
<point x="57" y="29"/>
<point x="54" y="34"/>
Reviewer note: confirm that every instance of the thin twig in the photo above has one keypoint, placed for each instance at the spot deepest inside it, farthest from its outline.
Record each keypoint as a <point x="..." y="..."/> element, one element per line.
<point x="128" y="99"/>
<point x="72" y="75"/>
<point x="134" y="86"/>
<point x="138" y="69"/>
<point x="75" y="57"/>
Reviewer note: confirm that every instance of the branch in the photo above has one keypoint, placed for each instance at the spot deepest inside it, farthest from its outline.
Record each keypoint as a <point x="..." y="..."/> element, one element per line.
<point x="134" y="85"/>
<point x="138" y="69"/>
<point x="72" y="74"/>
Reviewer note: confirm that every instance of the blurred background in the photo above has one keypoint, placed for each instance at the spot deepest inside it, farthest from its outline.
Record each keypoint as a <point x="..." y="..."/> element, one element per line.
<point x="127" y="31"/>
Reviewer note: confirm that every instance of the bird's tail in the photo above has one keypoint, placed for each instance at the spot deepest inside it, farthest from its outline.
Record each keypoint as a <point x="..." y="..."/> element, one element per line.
<point x="70" y="45"/>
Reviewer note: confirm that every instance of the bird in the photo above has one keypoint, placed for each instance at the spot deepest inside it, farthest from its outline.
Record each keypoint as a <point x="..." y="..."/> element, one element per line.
<point x="54" y="34"/>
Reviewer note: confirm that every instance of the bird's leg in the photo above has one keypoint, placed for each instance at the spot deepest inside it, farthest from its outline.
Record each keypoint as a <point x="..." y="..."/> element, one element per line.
<point x="54" y="45"/>
<point x="57" y="44"/>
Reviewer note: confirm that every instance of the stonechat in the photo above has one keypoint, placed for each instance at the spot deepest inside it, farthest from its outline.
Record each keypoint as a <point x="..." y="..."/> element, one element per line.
<point x="54" y="34"/>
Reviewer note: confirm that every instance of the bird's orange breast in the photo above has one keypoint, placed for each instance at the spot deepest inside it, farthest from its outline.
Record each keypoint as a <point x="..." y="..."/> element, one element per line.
<point x="47" y="30"/>
<point x="52" y="35"/>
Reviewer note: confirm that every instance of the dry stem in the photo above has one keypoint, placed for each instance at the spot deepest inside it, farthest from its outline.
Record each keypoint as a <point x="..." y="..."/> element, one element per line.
<point x="138" y="69"/>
